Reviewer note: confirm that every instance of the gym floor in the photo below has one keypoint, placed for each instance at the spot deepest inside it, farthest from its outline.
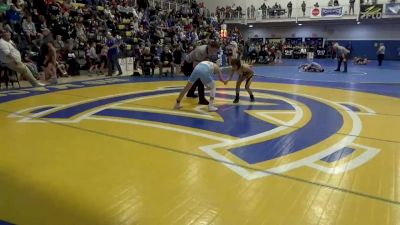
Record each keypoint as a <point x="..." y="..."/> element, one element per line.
<point x="315" y="148"/>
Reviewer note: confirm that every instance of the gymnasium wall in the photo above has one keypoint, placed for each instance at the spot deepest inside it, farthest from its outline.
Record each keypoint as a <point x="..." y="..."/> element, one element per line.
<point x="363" y="36"/>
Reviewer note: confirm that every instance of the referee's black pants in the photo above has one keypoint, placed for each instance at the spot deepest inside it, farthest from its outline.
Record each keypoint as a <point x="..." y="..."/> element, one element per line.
<point x="187" y="69"/>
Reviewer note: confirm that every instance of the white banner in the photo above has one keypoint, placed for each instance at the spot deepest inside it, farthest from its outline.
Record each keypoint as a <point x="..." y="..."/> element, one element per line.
<point x="336" y="11"/>
<point x="126" y="65"/>
<point x="318" y="12"/>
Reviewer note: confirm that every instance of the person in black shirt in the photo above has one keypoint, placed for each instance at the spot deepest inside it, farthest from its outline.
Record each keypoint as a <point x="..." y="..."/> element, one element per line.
<point x="147" y="62"/>
<point x="166" y="60"/>
<point x="263" y="56"/>
<point x="290" y="8"/>
<point x="178" y="54"/>
<point x="264" y="11"/>
<point x="303" y="8"/>
<point x="351" y="8"/>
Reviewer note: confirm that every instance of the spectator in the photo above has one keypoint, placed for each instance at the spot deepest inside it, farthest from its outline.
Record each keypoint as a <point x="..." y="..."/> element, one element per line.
<point x="264" y="11"/>
<point x="330" y="3"/>
<point x="103" y="59"/>
<point x="27" y="60"/>
<point x="381" y="53"/>
<point x="253" y="9"/>
<point x="44" y="38"/>
<point x="290" y="8"/>
<point x="316" y="5"/>
<point x="29" y="29"/>
<point x="303" y="8"/>
<point x="336" y="3"/>
<point x="147" y="62"/>
<point x="351" y="7"/>
<point x="166" y="60"/>
<point x="248" y="12"/>
<point x="93" y="58"/>
<point x="112" y="55"/>
<point x="59" y="43"/>
<point x="10" y="57"/>
<point x="239" y="11"/>
<point x="13" y="15"/>
<point x="178" y="56"/>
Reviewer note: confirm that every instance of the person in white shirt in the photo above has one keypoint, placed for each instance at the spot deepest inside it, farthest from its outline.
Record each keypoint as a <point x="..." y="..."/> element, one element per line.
<point x="10" y="57"/>
<point x="342" y="55"/>
<point x="381" y="53"/>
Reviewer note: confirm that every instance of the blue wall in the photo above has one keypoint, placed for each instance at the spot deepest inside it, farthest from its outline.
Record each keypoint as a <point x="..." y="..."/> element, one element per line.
<point x="367" y="48"/>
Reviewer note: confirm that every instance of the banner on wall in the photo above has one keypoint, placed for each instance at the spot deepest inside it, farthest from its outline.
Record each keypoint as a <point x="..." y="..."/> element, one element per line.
<point x="318" y="12"/>
<point x="371" y="11"/>
<point x="336" y="11"/>
<point x="273" y="40"/>
<point x="392" y="9"/>
<point x="294" y="41"/>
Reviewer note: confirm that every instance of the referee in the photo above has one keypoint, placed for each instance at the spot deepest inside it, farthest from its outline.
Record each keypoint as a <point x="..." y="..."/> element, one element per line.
<point x="343" y="54"/>
<point x="201" y="53"/>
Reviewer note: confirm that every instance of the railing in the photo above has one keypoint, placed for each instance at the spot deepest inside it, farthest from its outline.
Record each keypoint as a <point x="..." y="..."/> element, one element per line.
<point x="299" y="13"/>
<point x="169" y="5"/>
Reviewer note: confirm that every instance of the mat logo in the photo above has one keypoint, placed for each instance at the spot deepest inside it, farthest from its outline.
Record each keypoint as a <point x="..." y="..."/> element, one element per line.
<point x="279" y="133"/>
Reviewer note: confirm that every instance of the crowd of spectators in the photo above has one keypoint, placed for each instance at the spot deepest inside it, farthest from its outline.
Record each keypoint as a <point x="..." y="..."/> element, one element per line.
<point x="60" y="38"/>
<point x="262" y="53"/>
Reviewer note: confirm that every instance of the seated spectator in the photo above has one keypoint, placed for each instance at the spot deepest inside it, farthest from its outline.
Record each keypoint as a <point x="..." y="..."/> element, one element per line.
<point x="10" y="57"/>
<point x="44" y="38"/>
<point x="59" y="43"/>
<point x="29" y="29"/>
<point x="263" y="56"/>
<point x="147" y="62"/>
<point x="253" y="56"/>
<point x="26" y="59"/>
<point x="166" y="60"/>
<point x="312" y="67"/>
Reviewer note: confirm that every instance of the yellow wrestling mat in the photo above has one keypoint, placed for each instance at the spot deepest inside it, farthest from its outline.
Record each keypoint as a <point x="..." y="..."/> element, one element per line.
<point x="114" y="152"/>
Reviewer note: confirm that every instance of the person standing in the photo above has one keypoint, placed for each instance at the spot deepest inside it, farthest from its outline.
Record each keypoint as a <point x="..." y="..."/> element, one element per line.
<point x="290" y="8"/>
<point x="201" y="53"/>
<point x="342" y="54"/>
<point x="253" y="10"/>
<point x="381" y="53"/>
<point x="303" y="8"/>
<point x="351" y="8"/>
<point x="112" y="55"/>
<point x="264" y="11"/>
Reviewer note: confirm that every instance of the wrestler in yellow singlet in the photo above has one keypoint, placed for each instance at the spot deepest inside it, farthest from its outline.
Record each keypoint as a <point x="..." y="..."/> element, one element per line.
<point x="245" y="73"/>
